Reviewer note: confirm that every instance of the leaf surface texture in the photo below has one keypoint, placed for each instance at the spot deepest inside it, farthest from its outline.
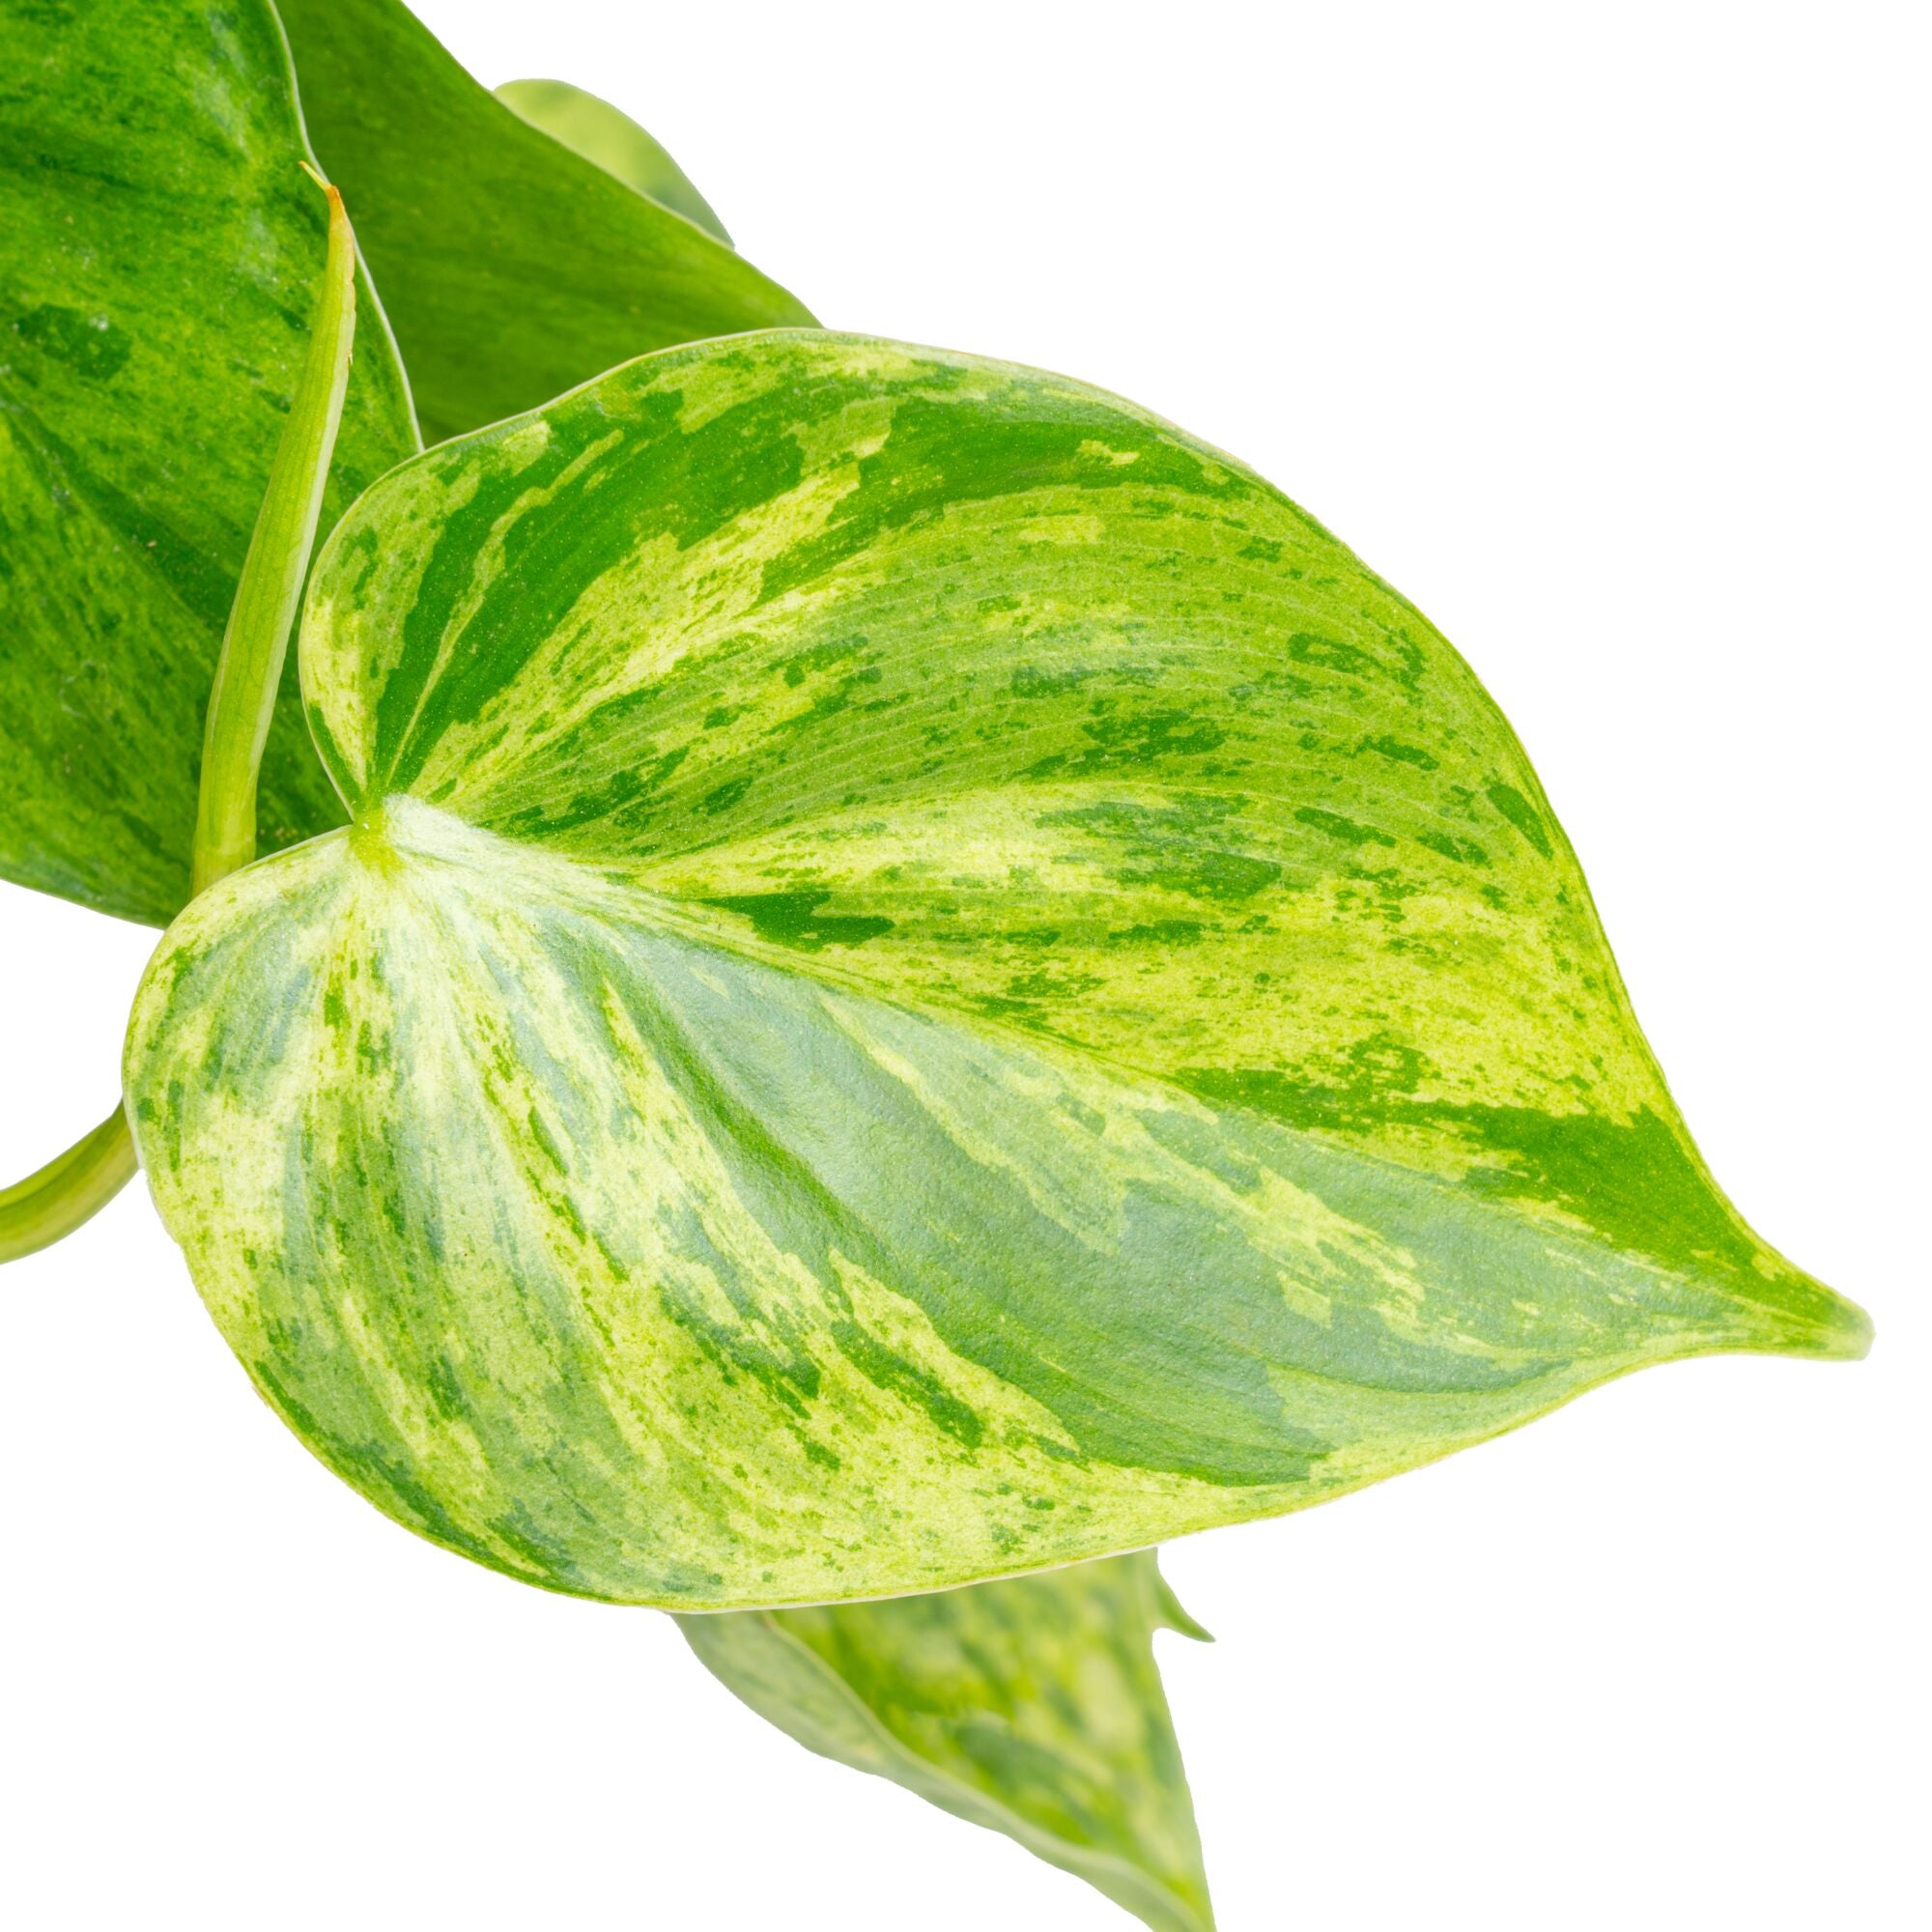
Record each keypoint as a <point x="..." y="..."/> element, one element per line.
<point x="160" y="254"/>
<point x="929" y="979"/>
<point x="1031" y="1706"/>
<point x="513" y="268"/>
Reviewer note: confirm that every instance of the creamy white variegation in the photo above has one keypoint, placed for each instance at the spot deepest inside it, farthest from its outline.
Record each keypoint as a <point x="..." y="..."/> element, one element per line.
<point x="928" y="979"/>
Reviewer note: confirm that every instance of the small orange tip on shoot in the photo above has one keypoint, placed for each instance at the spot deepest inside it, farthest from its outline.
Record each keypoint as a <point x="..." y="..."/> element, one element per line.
<point x="337" y="213"/>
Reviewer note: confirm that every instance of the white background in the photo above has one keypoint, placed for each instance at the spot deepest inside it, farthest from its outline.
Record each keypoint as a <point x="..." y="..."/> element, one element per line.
<point x="1601" y="332"/>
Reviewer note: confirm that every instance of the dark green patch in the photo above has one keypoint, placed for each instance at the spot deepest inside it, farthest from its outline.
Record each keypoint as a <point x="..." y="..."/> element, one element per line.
<point x="547" y="1145"/>
<point x="1206" y="875"/>
<point x="1052" y="984"/>
<point x="949" y="449"/>
<point x="1463" y="851"/>
<point x="793" y="919"/>
<point x="1144" y="738"/>
<point x="90" y="345"/>
<point x="891" y="1372"/>
<point x="1399" y="753"/>
<point x="1332" y="654"/>
<point x="1158" y="932"/>
<point x="1178" y="847"/>
<point x="1520" y="813"/>
<point x="1344" y="829"/>
<point x="1030" y="681"/>
<point x="819" y="657"/>
<point x="727" y="795"/>
<point x="735" y="1350"/>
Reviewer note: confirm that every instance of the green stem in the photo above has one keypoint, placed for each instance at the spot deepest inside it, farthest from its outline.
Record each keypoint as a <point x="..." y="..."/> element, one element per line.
<point x="72" y="1187"/>
<point x="78" y="1183"/>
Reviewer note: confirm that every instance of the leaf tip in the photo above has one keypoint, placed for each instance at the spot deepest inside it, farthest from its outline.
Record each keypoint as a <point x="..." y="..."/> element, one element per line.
<point x="1849" y="1335"/>
<point x="1174" y="1616"/>
<point x="1820" y="1322"/>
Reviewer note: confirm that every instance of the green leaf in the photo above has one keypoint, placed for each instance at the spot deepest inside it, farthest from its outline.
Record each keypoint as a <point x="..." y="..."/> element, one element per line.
<point x="610" y="138"/>
<point x="1033" y="1707"/>
<point x="513" y="268"/>
<point x="929" y="979"/>
<point x="66" y="1192"/>
<point x="160" y="252"/>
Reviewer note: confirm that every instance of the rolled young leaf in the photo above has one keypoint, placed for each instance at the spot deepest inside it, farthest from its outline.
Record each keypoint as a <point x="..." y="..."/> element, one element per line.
<point x="929" y="979"/>
<point x="254" y="645"/>
<point x="1031" y="1706"/>
<point x="158" y="249"/>
<point x="513" y="268"/>
<point x="610" y="138"/>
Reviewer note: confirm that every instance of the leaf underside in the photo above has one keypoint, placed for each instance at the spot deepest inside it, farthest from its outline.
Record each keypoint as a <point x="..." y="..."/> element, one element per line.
<point x="929" y="979"/>
<point x="148" y="158"/>
<point x="606" y="135"/>
<point x="1031" y="1706"/>
<point x="513" y="268"/>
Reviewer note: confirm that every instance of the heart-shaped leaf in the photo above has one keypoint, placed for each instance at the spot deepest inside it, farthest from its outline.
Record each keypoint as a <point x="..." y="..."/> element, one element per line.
<point x="610" y="138"/>
<point x="512" y="266"/>
<point x="159" y="249"/>
<point x="1033" y="1706"/>
<point x="929" y="979"/>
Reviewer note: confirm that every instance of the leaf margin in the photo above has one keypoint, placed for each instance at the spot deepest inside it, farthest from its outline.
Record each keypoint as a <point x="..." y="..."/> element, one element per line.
<point x="755" y="1653"/>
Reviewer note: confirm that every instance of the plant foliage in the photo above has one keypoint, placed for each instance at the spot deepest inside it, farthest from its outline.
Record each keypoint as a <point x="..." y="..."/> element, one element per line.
<point x="157" y="245"/>
<point x="513" y="268"/>
<point x="157" y="242"/>
<point x="603" y="134"/>
<point x="928" y="979"/>
<point x="888" y="971"/>
<point x="1033" y="1707"/>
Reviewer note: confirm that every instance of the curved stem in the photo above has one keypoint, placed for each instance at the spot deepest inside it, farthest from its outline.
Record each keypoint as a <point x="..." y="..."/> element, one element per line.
<point x="72" y="1188"/>
<point x="78" y="1183"/>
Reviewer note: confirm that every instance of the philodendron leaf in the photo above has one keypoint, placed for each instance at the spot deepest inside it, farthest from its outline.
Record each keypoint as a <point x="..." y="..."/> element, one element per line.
<point x="512" y="266"/>
<point x="1033" y="1706"/>
<point x="929" y="979"/>
<point x="610" y="138"/>
<point x="159" y="249"/>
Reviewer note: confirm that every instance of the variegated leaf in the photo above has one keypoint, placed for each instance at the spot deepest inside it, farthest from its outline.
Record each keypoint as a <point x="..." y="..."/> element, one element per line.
<point x="1031" y="1706"/>
<point x="928" y="979"/>
<point x="513" y="268"/>
<point x="610" y="138"/>
<point x="159" y="248"/>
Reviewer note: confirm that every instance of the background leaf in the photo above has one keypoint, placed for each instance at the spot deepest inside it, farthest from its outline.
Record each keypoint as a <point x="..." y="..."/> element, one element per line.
<point x="931" y="979"/>
<point x="159" y="249"/>
<point x="1033" y="1706"/>
<point x="610" y="138"/>
<point x="513" y="268"/>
